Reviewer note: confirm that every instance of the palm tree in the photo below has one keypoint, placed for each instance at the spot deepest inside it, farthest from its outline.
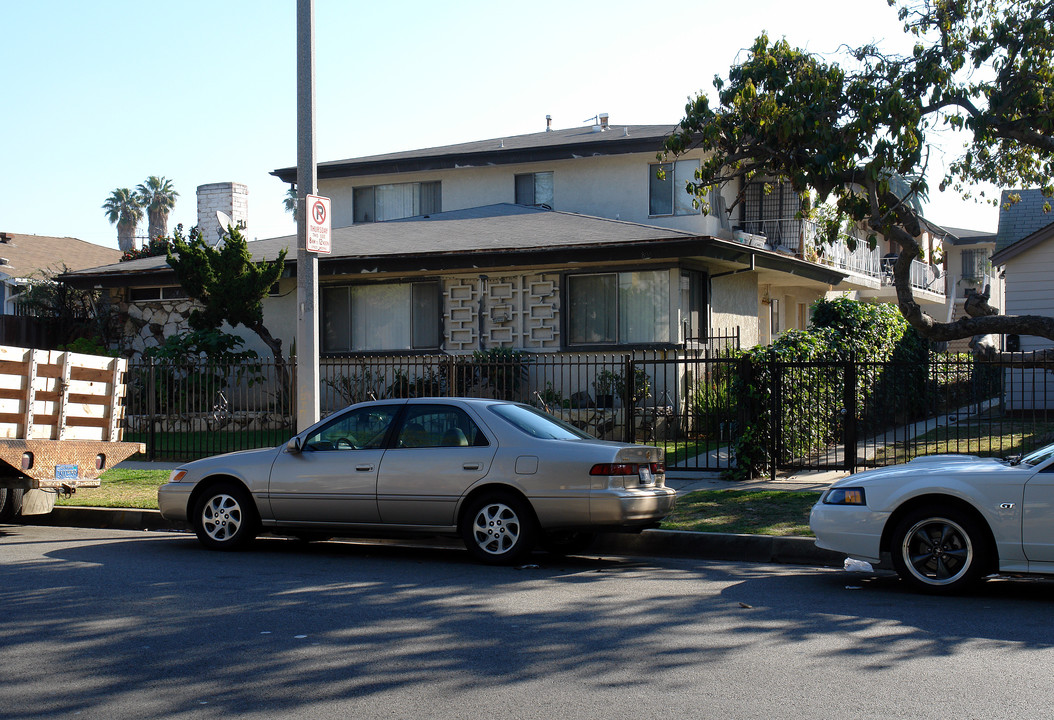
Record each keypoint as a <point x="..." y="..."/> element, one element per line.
<point x="123" y="210"/>
<point x="158" y="196"/>
<point x="290" y="201"/>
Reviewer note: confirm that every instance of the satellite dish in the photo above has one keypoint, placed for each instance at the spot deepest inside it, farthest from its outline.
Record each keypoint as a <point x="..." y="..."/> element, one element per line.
<point x="225" y="221"/>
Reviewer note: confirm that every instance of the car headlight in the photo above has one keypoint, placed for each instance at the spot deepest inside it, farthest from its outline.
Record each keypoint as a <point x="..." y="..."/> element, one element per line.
<point x="845" y="496"/>
<point x="177" y="475"/>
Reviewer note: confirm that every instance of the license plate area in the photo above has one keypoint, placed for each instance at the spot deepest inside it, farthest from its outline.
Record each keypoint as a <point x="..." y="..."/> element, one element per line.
<point x="66" y="472"/>
<point x="646" y="476"/>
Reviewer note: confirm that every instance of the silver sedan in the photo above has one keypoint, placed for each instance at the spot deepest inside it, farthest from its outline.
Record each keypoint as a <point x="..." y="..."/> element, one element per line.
<point x="503" y="476"/>
<point x="944" y="522"/>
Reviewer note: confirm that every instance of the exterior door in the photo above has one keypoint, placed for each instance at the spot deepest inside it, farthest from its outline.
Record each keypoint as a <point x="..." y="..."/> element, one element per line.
<point x="334" y="478"/>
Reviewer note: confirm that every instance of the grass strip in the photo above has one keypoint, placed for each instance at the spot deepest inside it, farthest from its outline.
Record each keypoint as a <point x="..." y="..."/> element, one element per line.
<point x="749" y="512"/>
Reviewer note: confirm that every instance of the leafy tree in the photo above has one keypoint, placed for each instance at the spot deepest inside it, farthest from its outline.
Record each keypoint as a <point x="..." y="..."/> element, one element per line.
<point x="124" y="210"/>
<point x="857" y="136"/>
<point x="228" y="285"/>
<point x="158" y="196"/>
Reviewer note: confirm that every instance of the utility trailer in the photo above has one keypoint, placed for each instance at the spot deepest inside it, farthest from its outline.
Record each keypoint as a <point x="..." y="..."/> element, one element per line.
<point x="60" y="425"/>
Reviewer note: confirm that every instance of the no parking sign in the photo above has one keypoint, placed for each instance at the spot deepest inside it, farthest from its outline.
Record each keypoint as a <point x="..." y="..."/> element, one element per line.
<point x="319" y="227"/>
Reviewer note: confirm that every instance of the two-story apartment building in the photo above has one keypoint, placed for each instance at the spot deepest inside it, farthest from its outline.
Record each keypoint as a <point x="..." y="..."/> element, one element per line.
<point x="561" y="240"/>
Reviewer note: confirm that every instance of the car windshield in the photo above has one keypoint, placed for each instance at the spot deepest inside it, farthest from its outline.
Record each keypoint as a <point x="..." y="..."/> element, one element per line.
<point x="1038" y="457"/>
<point x="538" y="424"/>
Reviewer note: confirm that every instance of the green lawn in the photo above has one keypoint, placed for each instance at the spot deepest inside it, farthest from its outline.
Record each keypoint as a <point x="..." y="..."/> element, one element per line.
<point x="751" y="512"/>
<point x="731" y="511"/>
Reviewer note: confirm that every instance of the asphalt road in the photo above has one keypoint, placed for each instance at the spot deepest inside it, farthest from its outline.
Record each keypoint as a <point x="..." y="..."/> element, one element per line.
<point x="131" y="624"/>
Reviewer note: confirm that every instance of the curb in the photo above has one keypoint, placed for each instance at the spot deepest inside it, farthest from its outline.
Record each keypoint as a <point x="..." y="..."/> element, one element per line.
<point x="651" y="543"/>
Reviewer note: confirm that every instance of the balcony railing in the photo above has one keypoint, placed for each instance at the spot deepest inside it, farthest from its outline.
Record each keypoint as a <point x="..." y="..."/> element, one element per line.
<point x="792" y="235"/>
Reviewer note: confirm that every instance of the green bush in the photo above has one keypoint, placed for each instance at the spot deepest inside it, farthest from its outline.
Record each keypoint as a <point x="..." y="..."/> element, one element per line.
<point x="842" y="331"/>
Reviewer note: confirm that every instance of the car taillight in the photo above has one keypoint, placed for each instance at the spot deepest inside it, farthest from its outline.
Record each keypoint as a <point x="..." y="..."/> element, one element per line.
<point x="614" y="469"/>
<point x="658" y="468"/>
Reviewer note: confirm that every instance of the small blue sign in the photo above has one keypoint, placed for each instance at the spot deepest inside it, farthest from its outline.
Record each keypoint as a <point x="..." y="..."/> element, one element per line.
<point x="66" y="472"/>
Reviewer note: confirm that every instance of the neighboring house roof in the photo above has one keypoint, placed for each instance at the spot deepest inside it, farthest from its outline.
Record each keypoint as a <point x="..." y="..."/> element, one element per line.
<point x="1026" y="243"/>
<point x="1022" y="219"/>
<point x="964" y="236"/>
<point x="535" y="147"/>
<point x="24" y="256"/>
<point x="499" y="235"/>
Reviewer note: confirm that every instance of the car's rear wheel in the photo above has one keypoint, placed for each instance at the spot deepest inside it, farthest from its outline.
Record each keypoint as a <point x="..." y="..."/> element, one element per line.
<point x="499" y="528"/>
<point x="11" y="506"/>
<point x="940" y="550"/>
<point x="568" y="542"/>
<point x="225" y="517"/>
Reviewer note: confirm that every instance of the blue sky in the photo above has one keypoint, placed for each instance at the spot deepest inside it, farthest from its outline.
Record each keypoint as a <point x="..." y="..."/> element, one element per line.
<point x="101" y="95"/>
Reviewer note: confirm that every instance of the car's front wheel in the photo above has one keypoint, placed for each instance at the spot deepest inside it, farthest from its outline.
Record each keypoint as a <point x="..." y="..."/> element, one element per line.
<point x="940" y="550"/>
<point x="225" y="517"/>
<point x="499" y="528"/>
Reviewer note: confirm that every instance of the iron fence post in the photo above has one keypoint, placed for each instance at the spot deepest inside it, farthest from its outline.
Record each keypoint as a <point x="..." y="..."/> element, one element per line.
<point x="849" y="429"/>
<point x="629" y="368"/>
<point x="151" y="409"/>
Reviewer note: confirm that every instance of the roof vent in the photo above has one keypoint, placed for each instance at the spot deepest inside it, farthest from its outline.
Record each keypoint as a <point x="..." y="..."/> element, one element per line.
<point x="603" y="121"/>
<point x="4" y="237"/>
<point x="4" y="261"/>
<point x="548" y="123"/>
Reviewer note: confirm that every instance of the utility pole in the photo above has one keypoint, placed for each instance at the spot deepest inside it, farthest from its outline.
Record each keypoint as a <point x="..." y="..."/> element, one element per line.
<point x="307" y="345"/>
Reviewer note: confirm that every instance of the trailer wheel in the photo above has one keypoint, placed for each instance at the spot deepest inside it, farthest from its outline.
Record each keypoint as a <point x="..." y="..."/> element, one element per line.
<point x="11" y="507"/>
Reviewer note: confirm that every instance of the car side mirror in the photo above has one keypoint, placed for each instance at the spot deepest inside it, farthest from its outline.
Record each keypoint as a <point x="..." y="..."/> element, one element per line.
<point x="293" y="445"/>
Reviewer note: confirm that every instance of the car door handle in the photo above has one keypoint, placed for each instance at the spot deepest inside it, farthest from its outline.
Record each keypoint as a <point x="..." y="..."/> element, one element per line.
<point x="473" y="466"/>
<point x="364" y="468"/>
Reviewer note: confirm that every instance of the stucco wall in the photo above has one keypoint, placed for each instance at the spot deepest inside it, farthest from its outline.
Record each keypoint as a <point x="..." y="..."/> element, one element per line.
<point x="737" y="298"/>
<point x="613" y="187"/>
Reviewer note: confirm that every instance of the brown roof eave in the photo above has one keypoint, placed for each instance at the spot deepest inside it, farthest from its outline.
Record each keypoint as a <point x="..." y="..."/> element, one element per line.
<point x="85" y="281"/>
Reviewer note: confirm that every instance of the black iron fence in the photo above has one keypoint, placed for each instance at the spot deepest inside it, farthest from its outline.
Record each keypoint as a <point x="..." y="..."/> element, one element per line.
<point x="709" y="407"/>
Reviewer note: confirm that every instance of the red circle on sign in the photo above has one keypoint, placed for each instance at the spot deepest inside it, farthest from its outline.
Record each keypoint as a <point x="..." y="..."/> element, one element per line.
<point x="318" y="211"/>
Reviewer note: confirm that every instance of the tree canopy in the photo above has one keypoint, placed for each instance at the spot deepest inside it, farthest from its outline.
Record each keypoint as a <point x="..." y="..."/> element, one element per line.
<point x="857" y="133"/>
<point x="226" y="282"/>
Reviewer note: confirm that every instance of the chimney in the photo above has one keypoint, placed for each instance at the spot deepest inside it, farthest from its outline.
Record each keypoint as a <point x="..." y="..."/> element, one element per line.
<point x="548" y="123"/>
<point x="603" y="121"/>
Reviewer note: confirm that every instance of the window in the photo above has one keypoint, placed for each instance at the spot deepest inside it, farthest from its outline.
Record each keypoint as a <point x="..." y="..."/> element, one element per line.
<point x="534" y="189"/>
<point x="975" y="264"/>
<point x="145" y="294"/>
<point x="538" y="424"/>
<point x="693" y="305"/>
<point x="360" y="429"/>
<point x="376" y="203"/>
<point x="396" y="316"/>
<point x="774" y="318"/>
<point x="429" y="426"/>
<point x="625" y="308"/>
<point x="667" y="196"/>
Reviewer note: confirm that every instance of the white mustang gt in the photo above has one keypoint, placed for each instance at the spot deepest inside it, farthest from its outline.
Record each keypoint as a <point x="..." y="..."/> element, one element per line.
<point x="945" y="521"/>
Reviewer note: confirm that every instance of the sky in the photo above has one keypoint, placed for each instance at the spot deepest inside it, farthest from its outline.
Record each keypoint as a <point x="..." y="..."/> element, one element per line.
<point x="101" y="95"/>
